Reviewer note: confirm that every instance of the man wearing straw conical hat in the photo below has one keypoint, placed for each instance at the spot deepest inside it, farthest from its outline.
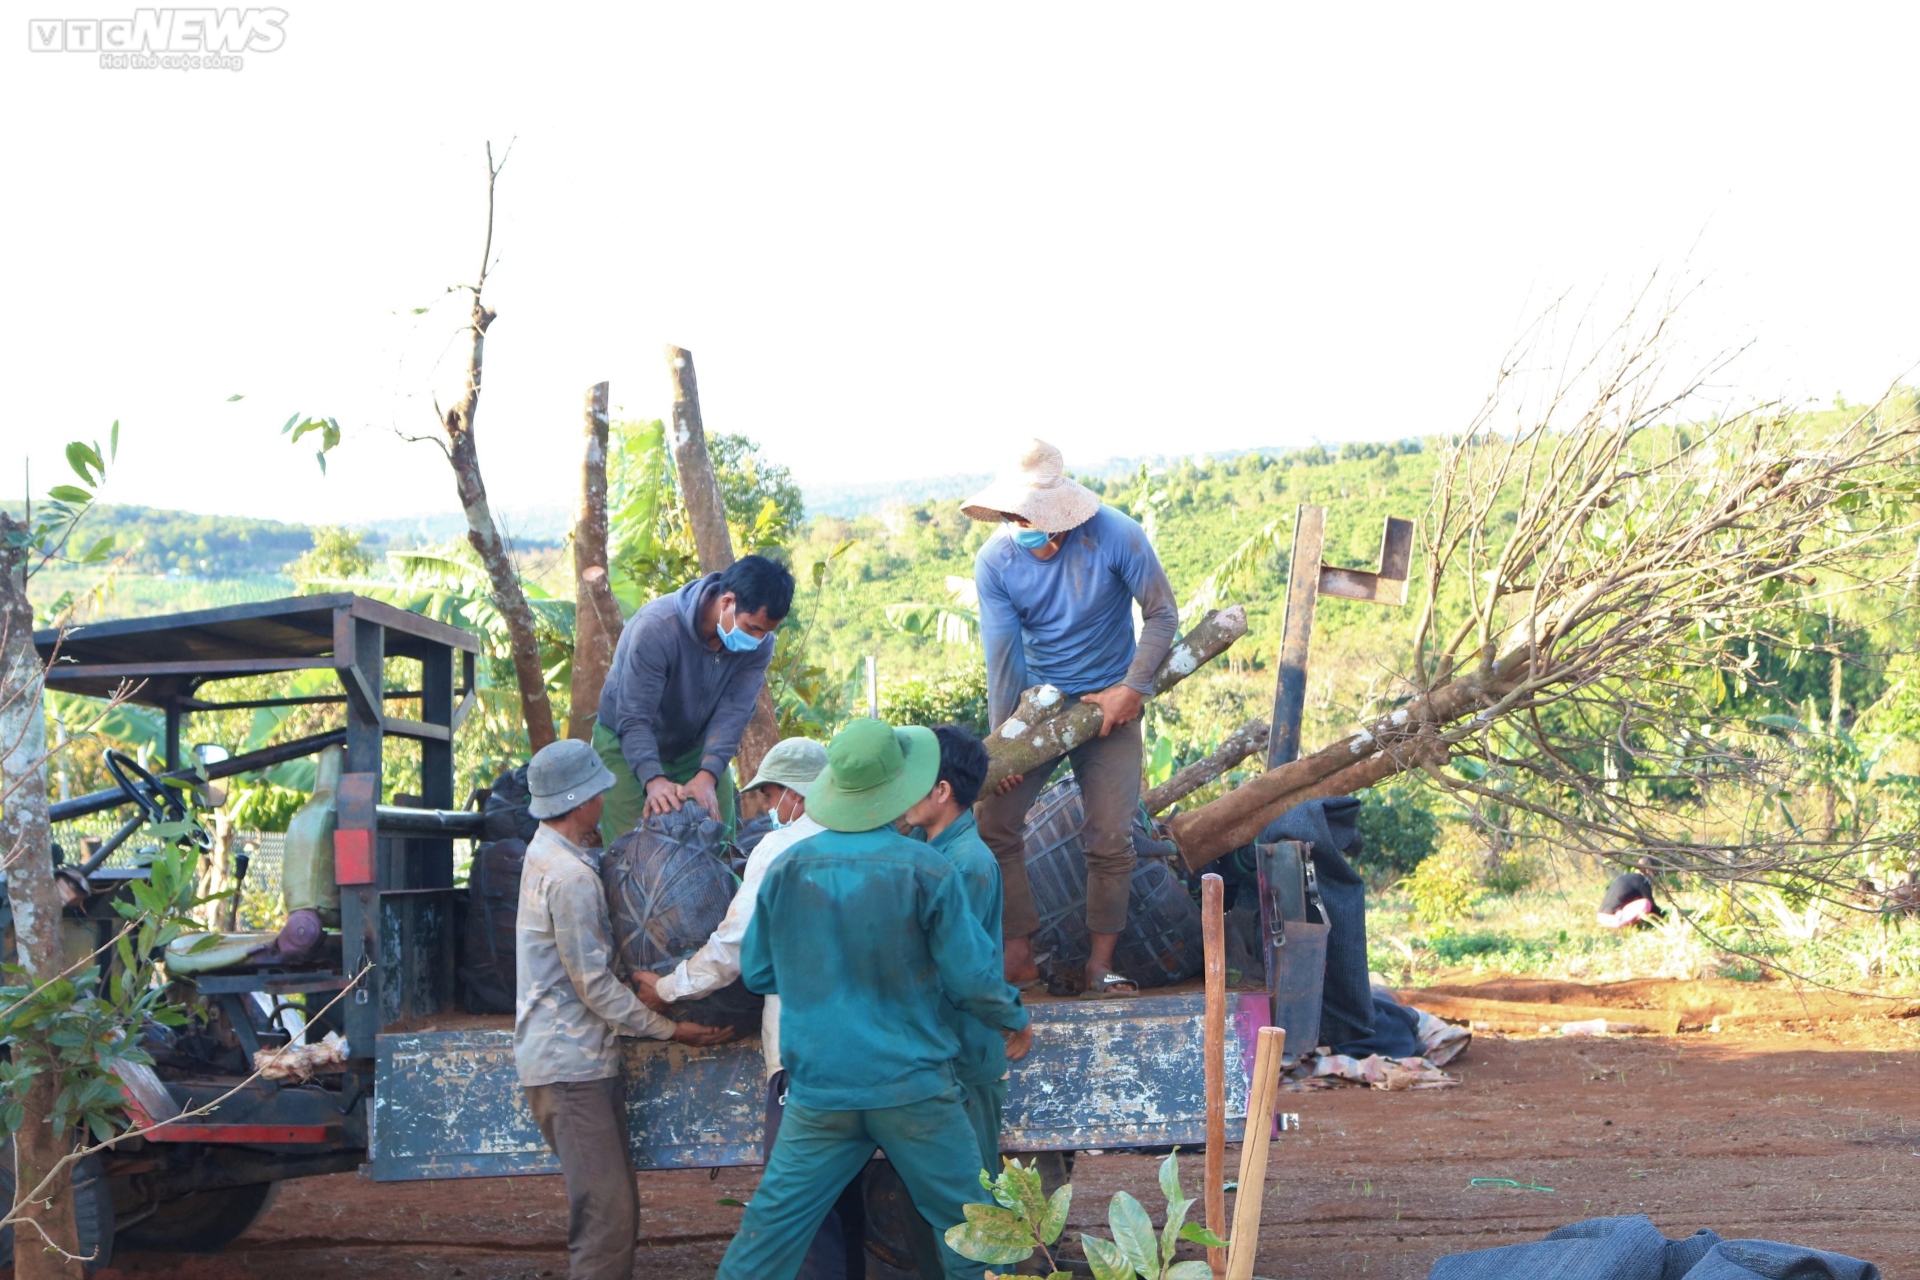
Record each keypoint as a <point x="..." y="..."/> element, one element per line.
<point x="1057" y="585"/>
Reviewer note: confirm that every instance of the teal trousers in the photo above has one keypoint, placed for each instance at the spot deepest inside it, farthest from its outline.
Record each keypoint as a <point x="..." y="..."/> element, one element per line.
<point x="984" y="1103"/>
<point x="931" y="1144"/>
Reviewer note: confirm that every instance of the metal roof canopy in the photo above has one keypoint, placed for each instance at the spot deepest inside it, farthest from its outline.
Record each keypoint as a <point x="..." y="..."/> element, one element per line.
<point x="172" y="655"/>
<point x="394" y="884"/>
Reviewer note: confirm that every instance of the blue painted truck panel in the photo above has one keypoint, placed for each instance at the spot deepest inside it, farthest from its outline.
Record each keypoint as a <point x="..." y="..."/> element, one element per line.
<point x="1103" y="1073"/>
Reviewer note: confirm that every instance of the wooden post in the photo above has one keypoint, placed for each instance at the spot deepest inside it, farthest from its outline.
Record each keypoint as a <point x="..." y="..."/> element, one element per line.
<point x="1261" y="1091"/>
<point x="873" y="687"/>
<point x="1308" y="578"/>
<point x="1213" y="932"/>
<point x="1296" y="633"/>
<point x="596" y="617"/>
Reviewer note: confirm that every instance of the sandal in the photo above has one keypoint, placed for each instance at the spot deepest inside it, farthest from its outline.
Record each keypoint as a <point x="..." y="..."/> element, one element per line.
<point x="1112" y="984"/>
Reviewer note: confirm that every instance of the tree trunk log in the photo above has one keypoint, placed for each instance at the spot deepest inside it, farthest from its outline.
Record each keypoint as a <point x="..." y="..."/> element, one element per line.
<point x="26" y="844"/>
<point x="596" y="616"/>
<point x="1389" y="745"/>
<point x="699" y="487"/>
<point x="1018" y="746"/>
<point x="1241" y="743"/>
<point x="707" y="513"/>
<point x="522" y="636"/>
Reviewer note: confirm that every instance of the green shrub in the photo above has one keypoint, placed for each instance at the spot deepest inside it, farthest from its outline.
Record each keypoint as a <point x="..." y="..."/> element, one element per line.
<point x="1397" y="831"/>
<point x="1443" y="888"/>
<point x="1509" y="873"/>
<point x="953" y="697"/>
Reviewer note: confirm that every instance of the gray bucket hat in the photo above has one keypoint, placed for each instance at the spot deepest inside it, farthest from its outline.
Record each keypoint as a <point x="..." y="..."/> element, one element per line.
<point x="565" y="775"/>
<point x="793" y="763"/>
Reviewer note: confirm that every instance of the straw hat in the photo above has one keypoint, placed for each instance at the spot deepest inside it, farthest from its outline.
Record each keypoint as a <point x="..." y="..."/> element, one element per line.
<point x="1039" y="491"/>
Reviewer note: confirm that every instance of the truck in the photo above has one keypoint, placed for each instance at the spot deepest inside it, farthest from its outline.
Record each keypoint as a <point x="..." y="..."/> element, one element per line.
<point x="428" y="1090"/>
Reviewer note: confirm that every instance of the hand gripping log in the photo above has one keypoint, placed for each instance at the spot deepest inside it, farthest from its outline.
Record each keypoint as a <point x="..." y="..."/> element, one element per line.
<point x="1046" y="725"/>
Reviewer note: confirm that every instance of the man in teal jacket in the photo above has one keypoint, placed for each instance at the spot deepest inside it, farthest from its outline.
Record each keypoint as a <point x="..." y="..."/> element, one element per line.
<point x="866" y="935"/>
<point x="945" y="821"/>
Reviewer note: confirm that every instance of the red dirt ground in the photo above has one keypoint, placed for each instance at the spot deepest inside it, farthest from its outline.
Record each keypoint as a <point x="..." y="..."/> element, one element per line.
<point x="1799" y="1120"/>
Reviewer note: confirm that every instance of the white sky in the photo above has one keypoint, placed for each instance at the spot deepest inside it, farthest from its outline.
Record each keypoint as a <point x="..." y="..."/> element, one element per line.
<point x="898" y="237"/>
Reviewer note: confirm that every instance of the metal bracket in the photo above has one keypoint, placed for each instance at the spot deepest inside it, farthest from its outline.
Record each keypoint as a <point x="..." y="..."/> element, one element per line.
<point x="1308" y="579"/>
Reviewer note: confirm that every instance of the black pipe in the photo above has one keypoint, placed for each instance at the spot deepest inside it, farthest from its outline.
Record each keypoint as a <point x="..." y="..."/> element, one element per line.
<point x="265" y="758"/>
<point x="458" y="824"/>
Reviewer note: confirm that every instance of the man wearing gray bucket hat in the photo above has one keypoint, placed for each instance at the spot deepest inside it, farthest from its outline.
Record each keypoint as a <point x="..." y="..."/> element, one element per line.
<point x="866" y="936"/>
<point x="571" y="1011"/>
<point x="1057" y="585"/>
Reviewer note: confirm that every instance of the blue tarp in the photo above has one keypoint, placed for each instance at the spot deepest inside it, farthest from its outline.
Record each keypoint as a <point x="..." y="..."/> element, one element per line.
<point x="1632" y="1248"/>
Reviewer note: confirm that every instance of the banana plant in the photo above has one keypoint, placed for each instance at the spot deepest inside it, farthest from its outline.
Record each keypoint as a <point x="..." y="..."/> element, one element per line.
<point x="956" y="622"/>
<point x="1023" y="1220"/>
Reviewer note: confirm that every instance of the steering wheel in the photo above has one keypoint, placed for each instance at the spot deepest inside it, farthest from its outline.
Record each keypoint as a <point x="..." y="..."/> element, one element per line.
<point x="147" y="793"/>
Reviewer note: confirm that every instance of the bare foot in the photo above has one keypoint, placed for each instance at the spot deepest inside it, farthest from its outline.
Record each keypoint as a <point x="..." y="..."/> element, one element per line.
<point x="1017" y="958"/>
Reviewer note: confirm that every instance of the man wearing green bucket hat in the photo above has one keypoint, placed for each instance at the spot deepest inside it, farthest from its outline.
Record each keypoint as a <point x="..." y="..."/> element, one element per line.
<point x="864" y="934"/>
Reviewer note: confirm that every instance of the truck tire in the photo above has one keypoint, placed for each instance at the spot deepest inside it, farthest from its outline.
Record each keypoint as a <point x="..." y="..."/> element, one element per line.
<point x="92" y="1211"/>
<point x="1161" y="943"/>
<point x="200" y="1221"/>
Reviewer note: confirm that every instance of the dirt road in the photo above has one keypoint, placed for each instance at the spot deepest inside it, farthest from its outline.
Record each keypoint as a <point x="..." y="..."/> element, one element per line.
<point x="1807" y="1132"/>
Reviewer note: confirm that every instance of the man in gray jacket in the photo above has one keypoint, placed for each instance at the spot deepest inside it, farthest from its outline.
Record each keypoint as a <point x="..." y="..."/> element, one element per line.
<point x="685" y="677"/>
<point x="570" y="1012"/>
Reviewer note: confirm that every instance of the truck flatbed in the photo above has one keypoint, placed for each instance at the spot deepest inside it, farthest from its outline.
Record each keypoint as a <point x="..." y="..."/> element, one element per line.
<point x="1120" y="1072"/>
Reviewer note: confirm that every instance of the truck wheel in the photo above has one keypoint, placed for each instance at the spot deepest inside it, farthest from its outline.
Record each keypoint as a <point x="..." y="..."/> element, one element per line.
<point x="92" y="1211"/>
<point x="200" y="1221"/>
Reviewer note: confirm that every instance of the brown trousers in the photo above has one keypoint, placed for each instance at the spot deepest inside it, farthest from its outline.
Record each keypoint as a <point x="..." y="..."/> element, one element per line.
<point x="586" y="1125"/>
<point x="1108" y="770"/>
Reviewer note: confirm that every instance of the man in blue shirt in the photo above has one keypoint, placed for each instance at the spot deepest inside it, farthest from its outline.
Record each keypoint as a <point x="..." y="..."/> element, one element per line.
<point x="1057" y="586"/>
<point x="866" y="936"/>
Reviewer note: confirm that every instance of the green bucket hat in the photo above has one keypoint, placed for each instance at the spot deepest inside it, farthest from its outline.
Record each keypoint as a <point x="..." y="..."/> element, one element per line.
<point x="874" y="774"/>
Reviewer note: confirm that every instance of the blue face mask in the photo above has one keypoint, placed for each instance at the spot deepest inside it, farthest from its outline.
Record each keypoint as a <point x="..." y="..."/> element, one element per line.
<point x="1031" y="539"/>
<point x="779" y="821"/>
<point x="736" y="639"/>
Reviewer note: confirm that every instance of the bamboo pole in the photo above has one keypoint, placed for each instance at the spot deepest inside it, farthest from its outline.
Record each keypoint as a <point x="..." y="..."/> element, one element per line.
<point x="1213" y="930"/>
<point x="1261" y="1091"/>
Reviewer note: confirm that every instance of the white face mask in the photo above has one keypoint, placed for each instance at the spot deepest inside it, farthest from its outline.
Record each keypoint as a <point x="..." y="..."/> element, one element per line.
<point x="779" y="821"/>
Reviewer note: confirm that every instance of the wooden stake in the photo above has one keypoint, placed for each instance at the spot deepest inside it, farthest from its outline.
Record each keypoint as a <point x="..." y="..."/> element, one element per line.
<point x="1253" y="1153"/>
<point x="1213" y="931"/>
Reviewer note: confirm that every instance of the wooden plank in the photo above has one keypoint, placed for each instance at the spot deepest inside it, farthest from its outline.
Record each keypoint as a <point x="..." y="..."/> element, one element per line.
<point x="1516" y="1015"/>
<point x="412" y="624"/>
<point x="417" y="729"/>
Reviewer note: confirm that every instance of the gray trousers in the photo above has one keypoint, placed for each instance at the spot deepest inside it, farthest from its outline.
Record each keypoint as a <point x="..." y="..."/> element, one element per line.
<point x="585" y="1124"/>
<point x="1108" y="770"/>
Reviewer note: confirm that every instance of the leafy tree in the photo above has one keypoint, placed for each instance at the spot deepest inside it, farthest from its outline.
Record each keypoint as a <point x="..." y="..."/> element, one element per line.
<point x="336" y="553"/>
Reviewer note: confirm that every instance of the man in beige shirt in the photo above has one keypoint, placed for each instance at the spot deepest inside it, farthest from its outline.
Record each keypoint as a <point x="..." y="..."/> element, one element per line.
<point x="571" y="1011"/>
